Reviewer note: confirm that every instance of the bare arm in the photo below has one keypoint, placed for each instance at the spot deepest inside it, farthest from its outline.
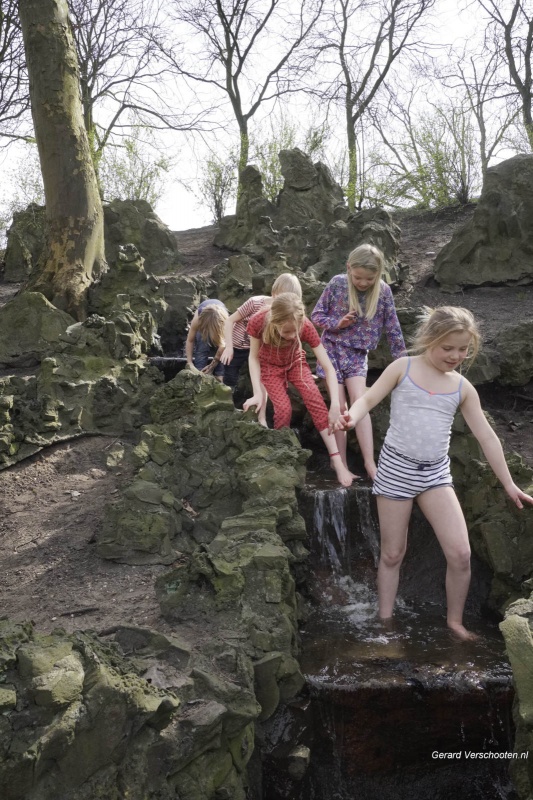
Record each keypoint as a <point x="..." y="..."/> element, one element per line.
<point x="331" y="381"/>
<point x="384" y="385"/>
<point x="189" y="344"/>
<point x="490" y="444"/>
<point x="255" y="375"/>
<point x="227" y="354"/>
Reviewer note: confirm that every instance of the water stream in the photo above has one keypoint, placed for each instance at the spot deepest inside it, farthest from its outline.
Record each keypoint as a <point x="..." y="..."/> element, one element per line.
<point x="396" y="711"/>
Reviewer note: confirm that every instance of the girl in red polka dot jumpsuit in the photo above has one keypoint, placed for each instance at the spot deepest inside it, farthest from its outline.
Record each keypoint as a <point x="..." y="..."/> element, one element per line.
<point x="277" y="358"/>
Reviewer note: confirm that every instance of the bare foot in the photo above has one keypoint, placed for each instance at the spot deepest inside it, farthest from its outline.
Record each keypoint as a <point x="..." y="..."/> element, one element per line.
<point x="460" y="632"/>
<point x="371" y="469"/>
<point x="344" y="476"/>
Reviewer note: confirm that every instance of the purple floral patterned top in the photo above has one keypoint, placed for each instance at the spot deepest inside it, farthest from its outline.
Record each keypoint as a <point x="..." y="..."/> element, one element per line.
<point x="364" y="334"/>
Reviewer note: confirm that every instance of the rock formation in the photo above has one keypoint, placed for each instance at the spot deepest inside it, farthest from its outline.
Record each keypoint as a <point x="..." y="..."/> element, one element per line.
<point x="496" y="245"/>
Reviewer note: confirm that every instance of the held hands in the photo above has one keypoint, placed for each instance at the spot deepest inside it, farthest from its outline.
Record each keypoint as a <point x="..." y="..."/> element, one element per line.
<point x="344" y="422"/>
<point x="334" y="418"/>
<point x="348" y="319"/>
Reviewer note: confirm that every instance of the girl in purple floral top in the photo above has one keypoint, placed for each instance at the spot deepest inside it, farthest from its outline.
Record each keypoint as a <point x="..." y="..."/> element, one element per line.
<point x="353" y="311"/>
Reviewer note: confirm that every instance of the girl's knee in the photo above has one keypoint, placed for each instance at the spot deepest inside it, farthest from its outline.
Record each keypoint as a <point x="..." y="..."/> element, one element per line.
<point x="459" y="559"/>
<point x="392" y="558"/>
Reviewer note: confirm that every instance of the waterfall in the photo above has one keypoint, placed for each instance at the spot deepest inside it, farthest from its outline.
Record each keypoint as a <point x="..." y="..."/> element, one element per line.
<point x="329" y="522"/>
<point x="387" y="698"/>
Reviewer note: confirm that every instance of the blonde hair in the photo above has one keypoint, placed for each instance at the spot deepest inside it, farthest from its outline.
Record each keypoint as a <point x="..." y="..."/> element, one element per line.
<point x="211" y="324"/>
<point x="286" y="307"/>
<point x="366" y="256"/>
<point x="437" y="323"/>
<point x="286" y="282"/>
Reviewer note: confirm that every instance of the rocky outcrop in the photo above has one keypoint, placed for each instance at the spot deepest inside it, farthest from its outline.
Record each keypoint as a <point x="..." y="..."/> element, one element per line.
<point x="134" y="222"/>
<point x="202" y="467"/>
<point x="25" y="241"/>
<point x="146" y="717"/>
<point x="517" y="629"/>
<point x="30" y="330"/>
<point x="97" y="380"/>
<point x="495" y="246"/>
<point x="308" y="226"/>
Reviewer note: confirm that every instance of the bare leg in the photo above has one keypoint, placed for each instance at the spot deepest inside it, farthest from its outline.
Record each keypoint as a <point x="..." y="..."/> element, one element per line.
<point x="363" y="430"/>
<point x="393" y="522"/>
<point x="441" y="508"/>
<point x="344" y="476"/>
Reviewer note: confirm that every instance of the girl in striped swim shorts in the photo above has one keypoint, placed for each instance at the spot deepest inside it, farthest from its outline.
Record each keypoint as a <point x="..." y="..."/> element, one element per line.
<point x="426" y="391"/>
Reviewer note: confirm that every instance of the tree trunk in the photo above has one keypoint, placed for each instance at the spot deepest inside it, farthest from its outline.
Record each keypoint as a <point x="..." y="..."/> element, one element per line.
<point x="74" y="255"/>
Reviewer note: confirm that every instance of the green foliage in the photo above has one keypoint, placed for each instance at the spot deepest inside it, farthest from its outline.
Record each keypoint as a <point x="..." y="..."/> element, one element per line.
<point x="434" y="165"/>
<point x="218" y="182"/>
<point x="134" y="169"/>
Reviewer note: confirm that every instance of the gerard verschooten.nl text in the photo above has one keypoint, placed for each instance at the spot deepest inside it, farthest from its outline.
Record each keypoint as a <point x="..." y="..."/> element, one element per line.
<point x="459" y="754"/>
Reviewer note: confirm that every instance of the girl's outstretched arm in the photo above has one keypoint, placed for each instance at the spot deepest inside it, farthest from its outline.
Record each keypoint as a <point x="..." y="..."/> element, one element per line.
<point x="189" y="344"/>
<point x="323" y="359"/>
<point x="384" y="385"/>
<point x="227" y="354"/>
<point x="258" y="398"/>
<point x="490" y="444"/>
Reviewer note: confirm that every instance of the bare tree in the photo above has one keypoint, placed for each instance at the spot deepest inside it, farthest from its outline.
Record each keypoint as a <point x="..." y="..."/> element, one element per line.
<point x="359" y="42"/>
<point x="15" y="122"/>
<point x="245" y="50"/>
<point x="512" y="24"/>
<point x="478" y="76"/>
<point x="121" y="69"/>
<point x="429" y="154"/>
<point x="74" y="254"/>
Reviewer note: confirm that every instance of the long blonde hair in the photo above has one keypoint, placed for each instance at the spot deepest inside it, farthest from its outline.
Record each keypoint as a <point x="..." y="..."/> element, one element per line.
<point x="286" y="307"/>
<point x="286" y="282"/>
<point x="366" y="256"/>
<point x="211" y="323"/>
<point x="437" y="323"/>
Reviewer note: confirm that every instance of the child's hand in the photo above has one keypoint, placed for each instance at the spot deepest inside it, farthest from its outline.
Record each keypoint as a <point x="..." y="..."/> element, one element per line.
<point x="227" y="356"/>
<point x="348" y="319"/>
<point x="517" y="496"/>
<point x="209" y="368"/>
<point x="334" y="419"/>
<point x="347" y="421"/>
<point x="257" y="401"/>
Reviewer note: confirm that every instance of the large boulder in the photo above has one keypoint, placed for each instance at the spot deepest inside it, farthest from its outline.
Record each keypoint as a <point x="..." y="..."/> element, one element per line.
<point x="496" y="245"/>
<point x="309" y="191"/>
<point x="30" y="329"/>
<point x="25" y="241"/>
<point x="135" y="222"/>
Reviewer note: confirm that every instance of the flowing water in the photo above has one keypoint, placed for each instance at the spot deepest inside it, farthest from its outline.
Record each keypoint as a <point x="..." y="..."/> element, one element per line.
<point x="395" y="711"/>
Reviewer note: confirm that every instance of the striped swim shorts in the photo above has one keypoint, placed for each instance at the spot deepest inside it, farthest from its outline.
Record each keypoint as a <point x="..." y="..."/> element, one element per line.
<point x="401" y="478"/>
